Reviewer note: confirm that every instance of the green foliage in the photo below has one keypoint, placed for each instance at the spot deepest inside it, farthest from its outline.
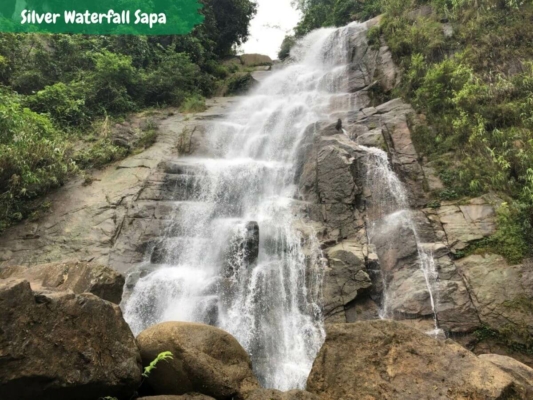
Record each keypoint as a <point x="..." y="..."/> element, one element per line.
<point x="286" y="46"/>
<point x="164" y="356"/>
<point x="322" y="13"/>
<point x="173" y="79"/>
<point x="239" y="83"/>
<point x="513" y="337"/>
<point x="373" y="35"/>
<point x="114" y="82"/>
<point x="55" y="88"/>
<point x="511" y="240"/>
<point x="65" y="104"/>
<point x="193" y="104"/>
<point x="232" y="21"/>
<point x="100" y="153"/>
<point x="33" y="159"/>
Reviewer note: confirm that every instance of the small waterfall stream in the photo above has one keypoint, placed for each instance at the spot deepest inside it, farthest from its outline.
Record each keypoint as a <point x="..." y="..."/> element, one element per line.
<point x="390" y="207"/>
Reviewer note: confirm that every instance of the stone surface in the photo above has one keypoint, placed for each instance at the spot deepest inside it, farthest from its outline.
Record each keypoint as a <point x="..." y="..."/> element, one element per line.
<point x="270" y="394"/>
<point x="252" y="60"/>
<point x="206" y="360"/>
<point x="346" y="276"/>
<point x="388" y="360"/>
<point x="520" y="372"/>
<point x="59" y="345"/>
<point x="388" y="73"/>
<point x="80" y="277"/>
<point x="502" y="294"/>
<point x="467" y="223"/>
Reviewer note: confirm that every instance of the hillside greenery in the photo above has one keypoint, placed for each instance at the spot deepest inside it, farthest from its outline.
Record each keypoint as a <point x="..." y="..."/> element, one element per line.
<point x="467" y="65"/>
<point x="58" y="91"/>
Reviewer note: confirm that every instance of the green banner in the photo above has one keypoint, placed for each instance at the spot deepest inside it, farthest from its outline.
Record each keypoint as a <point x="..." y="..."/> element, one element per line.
<point x="101" y="17"/>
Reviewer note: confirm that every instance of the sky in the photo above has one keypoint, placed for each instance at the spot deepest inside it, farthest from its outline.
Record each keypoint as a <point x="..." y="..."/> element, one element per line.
<point x="274" y="19"/>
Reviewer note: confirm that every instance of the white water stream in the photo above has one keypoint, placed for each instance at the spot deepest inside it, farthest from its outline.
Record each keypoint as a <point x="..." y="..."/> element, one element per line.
<point x="271" y="305"/>
<point x="204" y="268"/>
<point x="390" y="208"/>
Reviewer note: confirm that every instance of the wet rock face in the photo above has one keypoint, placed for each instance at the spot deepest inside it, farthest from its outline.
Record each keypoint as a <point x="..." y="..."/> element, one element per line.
<point x="251" y="243"/>
<point x="388" y="360"/>
<point x="61" y="345"/>
<point x="346" y="277"/>
<point x="243" y="248"/>
<point x="80" y="277"/>
<point x="206" y="360"/>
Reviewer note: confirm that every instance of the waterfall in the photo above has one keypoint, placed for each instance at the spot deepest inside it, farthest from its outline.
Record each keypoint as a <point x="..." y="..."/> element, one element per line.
<point x="389" y="208"/>
<point x="209" y="266"/>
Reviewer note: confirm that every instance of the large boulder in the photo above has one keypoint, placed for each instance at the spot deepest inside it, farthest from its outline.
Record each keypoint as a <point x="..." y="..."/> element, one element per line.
<point x="345" y="277"/>
<point x="520" y="372"/>
<point x="253" y="60"/>
<point x="271" y="394"/>
<point x="206" y="360"/>
<point x="389" y="360"/>
<point x="61" y="345"/>
<point x="78" y="276"/>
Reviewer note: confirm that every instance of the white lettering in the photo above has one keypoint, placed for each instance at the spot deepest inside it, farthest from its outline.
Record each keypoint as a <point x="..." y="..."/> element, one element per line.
<point x="149" y="19"/>
<point x="70" y="17"/>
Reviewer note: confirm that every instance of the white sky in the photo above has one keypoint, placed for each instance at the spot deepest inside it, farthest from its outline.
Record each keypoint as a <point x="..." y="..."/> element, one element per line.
<point x="274" y="19"/>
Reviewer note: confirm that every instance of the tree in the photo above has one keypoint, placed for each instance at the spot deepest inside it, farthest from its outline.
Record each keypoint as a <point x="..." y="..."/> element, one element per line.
<point x="231" y="22"/>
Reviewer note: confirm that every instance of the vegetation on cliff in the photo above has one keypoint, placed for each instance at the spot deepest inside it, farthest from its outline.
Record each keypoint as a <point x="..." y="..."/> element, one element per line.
<point x="467" y="65"/>
<point x="56" y="91"/>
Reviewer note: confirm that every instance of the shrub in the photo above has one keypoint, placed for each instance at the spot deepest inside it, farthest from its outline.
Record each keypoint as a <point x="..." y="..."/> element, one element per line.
<point x="171" y="81"/>
<point x="113" y="84"/>
<point x="514" y="229"/>
<point x="98" y="154"/>
<point x="239" y="83"/>
<point x="64" y="103"/>
<point x="193" y="104"/>
<point x="33" y="159"/>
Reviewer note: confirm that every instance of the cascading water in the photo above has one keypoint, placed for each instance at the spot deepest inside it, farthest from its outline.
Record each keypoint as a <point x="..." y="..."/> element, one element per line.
<point x="389" y="208"/>
<point x="209" y="269"/>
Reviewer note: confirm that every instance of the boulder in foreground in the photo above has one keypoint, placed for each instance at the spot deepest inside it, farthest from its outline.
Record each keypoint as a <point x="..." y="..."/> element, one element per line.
<point x="520" y="372"/>
<point x="386" y="360"/>
<point x="60" y="345"/>
<point x="206" y="360"/>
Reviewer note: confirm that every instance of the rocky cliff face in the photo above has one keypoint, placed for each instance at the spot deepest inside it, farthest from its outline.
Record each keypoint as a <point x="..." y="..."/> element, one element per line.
<point x="117" y="218"/>
<point x="476" y="294"/>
